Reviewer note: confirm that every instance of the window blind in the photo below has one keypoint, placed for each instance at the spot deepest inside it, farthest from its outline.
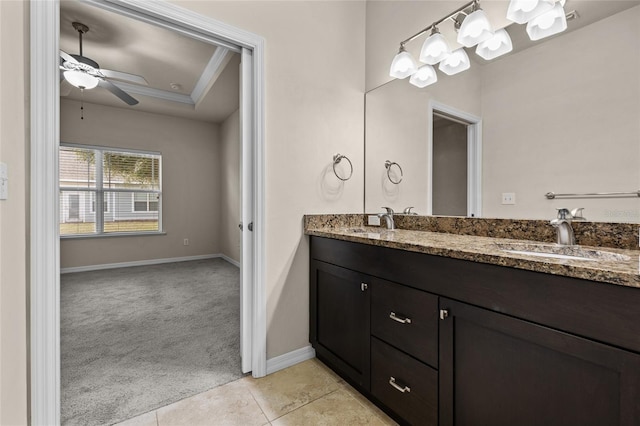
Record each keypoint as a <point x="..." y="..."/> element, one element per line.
<point x="104" y="191"/>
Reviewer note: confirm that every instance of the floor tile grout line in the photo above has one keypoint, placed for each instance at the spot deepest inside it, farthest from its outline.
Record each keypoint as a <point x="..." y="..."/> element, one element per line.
<point x="258" y="404"/>
<point x="305" y="404"/>
<point x="157" y="419"/>
<point x="345" y="386"/>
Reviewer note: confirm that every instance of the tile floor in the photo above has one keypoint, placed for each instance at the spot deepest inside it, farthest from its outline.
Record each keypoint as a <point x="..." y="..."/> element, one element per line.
<point x="308" y="393"/>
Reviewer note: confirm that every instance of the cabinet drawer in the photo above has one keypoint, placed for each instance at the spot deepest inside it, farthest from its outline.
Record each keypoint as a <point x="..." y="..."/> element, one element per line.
<point x="393" y="372"/>
<point x="406" y="318"/>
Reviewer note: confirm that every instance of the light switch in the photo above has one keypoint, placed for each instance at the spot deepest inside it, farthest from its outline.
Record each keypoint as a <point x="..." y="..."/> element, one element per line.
<point x="4" y="182"/>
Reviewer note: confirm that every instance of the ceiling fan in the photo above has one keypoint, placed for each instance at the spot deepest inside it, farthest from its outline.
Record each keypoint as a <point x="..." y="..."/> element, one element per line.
<point x="85" y="73"/>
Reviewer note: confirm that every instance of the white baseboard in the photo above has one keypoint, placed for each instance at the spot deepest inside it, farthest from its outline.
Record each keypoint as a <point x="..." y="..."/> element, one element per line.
<point x="230" y="260"/>
<point x="145" y="263"/>
<point x="291" y="358"/>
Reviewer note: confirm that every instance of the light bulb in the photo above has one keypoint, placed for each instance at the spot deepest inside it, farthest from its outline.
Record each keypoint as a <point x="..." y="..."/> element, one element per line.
<point x="522" y="11"/>
<point x="403" y="64"/>
<point x="80" y="79"/>
<point x="425" y="76"/>
<point x="496" y="46"/>
<point x="475" y="29"/>
<point x="456" y="62"/>
<point x="548" y="24"/>
<point x="434" y="49"/>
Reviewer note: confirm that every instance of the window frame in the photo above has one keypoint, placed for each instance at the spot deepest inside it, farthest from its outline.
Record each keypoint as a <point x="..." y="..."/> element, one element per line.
<point x="100" y="192"/>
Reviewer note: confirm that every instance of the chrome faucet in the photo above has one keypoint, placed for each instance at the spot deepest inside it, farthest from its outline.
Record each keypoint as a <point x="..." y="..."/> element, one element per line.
<point x="388" y="217"/>
<point x="563" y="226"/>
<point x="408" y="211"/>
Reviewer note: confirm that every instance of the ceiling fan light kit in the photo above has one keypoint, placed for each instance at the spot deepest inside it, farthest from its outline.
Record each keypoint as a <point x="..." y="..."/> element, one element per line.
<point x="85" y="73"/>
<point x="543" y="18"/>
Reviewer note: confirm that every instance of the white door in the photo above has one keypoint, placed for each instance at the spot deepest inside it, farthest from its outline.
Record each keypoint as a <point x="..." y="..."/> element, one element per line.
<point x="246" y="209"/>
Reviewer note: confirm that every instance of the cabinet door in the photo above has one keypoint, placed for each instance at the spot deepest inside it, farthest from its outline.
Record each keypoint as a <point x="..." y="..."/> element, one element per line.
<point x="339" y="320"/>
<point x="498" y="370"/>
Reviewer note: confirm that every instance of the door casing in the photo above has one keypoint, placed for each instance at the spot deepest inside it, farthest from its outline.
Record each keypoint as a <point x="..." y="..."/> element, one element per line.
<point x="44" y="210"/>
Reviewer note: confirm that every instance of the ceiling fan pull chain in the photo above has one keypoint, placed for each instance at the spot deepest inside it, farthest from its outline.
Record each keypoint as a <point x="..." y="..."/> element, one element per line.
<point x="81" y="104"/>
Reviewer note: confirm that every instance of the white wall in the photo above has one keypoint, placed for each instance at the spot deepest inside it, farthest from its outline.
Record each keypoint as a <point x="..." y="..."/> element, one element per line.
<point x="230" y="187"/>
<point x="314" y="108"/>
<point x="14" y="212"/>
<point x="190" y="182"/>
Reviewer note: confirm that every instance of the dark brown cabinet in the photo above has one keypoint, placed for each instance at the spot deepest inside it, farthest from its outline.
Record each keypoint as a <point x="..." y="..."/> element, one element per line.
<point x="340" y="320"/>
<point x="498" y="370"/>
<point x="439" y="341"/>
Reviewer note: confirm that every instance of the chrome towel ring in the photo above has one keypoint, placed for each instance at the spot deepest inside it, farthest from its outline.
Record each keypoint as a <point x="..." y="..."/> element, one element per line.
<point x="387" y="165"/>
<point x="336" y="160"/>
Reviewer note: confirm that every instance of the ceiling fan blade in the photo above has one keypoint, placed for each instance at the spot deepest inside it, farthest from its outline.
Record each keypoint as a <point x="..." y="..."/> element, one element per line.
<point x="125" y="76"/>
<point x="68" y="58"/>
<point x="117" y="91"/>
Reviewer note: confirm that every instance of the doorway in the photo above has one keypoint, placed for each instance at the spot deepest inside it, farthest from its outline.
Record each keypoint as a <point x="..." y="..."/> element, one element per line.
<point x="45" y="255"/>
<point x="454" y="163"/>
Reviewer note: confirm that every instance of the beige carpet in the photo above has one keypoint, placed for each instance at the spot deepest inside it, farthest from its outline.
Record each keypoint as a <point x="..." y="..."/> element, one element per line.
<point x="135" y="339"/>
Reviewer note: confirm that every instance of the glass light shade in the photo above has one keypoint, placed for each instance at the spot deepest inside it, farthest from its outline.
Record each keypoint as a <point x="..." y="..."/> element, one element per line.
<point x="496" y="46"/>
<point x="80" y="79"/>
<point x="475" y="29"/>
<point x="547" y="24"/>
<point x="522" y="11"/>
<point x="425" y="76"/>
<point x="434" y="49"/>
<point x="456" y="62"/>
<point x="403" y="65"/>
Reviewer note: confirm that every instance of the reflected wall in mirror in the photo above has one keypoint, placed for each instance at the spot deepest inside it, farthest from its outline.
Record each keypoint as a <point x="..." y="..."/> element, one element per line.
<point x="561" y="115"/>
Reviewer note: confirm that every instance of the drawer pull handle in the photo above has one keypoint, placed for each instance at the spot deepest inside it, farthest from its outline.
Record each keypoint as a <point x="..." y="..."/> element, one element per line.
<point x="404" y="320"/>
<point x="403" y="389"/>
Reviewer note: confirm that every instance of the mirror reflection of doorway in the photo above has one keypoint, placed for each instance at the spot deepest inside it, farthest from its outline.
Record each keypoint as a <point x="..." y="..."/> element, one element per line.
<point x="449" y="166"/>
<point x="454" y="166"/>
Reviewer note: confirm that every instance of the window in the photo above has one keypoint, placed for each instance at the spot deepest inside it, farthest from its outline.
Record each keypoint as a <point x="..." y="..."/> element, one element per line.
<point x="145" y="202"/>
<point x="107" y="191"/>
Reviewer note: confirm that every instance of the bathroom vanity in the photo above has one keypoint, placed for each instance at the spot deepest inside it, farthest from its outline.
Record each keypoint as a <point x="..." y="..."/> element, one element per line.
<point x="443" y="329"/>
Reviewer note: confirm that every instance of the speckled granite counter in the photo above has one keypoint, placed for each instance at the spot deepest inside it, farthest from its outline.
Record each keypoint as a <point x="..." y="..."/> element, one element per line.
<point x="623" y="272"/>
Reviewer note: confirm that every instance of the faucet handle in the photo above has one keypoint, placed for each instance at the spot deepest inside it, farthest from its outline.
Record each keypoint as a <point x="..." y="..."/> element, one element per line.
<point x="577" y="213"/>
<point x="564" y="213"/>
<point x="389" y="210"/>
<point x="408" y="210"/>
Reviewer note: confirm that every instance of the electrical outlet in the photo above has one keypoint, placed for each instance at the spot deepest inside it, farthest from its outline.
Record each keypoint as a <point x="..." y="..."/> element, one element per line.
<point x="508" y="198"/>
<point x="373" y="220"/>
<point x="186" y="242"/>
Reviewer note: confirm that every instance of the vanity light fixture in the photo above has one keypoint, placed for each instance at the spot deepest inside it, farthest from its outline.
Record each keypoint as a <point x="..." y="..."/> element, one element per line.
<point x="475" y="28"/>
<point x="522" y="11"/>
<point x="543" y="18"/>
<point x="457" y="62"/>
<point x="403" y="64"/>
<point x="497" y="45"/>
<point x="549" y="23"/>
<point x="425" y="76"/>
<point x="435" y="48"/>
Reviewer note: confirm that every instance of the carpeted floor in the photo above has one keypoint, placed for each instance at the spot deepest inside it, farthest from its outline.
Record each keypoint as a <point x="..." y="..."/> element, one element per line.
<point x="135" y="339"/>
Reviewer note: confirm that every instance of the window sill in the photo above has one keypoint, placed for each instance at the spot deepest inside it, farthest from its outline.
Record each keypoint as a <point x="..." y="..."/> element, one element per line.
<point x="111" y="234"/>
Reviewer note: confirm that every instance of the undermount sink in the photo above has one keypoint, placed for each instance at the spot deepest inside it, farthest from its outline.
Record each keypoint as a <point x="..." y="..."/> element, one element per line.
<point x="556" y="251"/>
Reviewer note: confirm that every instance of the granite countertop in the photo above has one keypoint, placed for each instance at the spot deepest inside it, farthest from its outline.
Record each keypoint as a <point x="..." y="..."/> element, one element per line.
<point x="617" y="266"/>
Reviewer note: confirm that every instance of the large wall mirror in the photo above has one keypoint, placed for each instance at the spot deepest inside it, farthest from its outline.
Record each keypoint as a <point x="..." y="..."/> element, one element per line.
<point x="559" y="115"/>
